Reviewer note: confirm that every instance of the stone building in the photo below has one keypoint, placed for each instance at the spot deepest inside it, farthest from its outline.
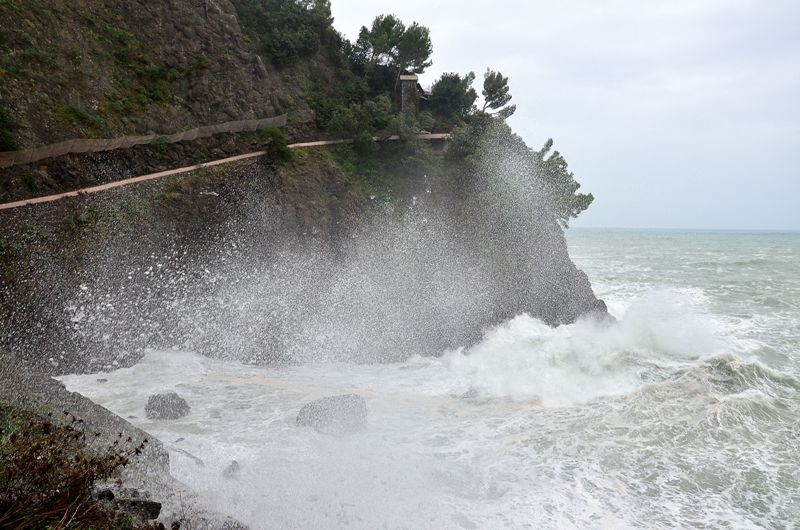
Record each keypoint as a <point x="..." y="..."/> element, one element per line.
<point x="411" y="92"/>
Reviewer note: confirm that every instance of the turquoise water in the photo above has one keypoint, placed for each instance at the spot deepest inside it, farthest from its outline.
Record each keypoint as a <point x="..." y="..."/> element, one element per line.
<point x="684" y="413"/>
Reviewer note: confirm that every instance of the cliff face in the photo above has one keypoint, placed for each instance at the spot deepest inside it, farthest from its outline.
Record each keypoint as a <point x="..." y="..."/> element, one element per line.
<point x="87" y="283"/>
<point x="259" y="261"/>
<point x="106" y="68"/>
<point x="266" y="263"/>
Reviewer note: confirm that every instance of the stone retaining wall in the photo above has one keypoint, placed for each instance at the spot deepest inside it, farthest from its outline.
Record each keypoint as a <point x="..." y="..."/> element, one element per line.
<point x="15" y="158"/>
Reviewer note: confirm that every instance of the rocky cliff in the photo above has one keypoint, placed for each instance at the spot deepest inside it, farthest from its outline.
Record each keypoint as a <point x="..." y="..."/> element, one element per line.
<point x="335" y="254"/>
<point x="107" y="68"/>
<point x="278" y="263"/>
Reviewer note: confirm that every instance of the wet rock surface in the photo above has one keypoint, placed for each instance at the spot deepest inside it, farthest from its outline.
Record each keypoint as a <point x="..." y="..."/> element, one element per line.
<point x="23" y="386"/>
<point x="145" y="489"/>
<point x="335" y="414"/>
<point x="166" y="406"/>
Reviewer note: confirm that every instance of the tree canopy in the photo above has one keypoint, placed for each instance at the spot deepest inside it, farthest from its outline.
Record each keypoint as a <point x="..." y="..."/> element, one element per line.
<point x="360" y="99"/>
<point x="496" y="94"/>
<point x="452" y="96"/>
<point x="489" y="140"/>
<point x="561" y="184"/>
<point x="388" y="42"/>
<point x="286" y="31"/>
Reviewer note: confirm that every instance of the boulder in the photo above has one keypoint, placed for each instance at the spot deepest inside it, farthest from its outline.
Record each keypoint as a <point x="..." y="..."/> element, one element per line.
<point x="130" y="502"/>
<point x="168" y="406"/>
<point x="335" y="414"/>
<point x="231" y="470"/>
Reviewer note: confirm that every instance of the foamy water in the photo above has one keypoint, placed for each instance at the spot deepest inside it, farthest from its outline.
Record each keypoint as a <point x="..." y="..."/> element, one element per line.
<point x="683" y="413"/>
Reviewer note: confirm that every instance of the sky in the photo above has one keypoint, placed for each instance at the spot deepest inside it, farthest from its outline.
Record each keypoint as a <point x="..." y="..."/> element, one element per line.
<point x="673" y="113"/>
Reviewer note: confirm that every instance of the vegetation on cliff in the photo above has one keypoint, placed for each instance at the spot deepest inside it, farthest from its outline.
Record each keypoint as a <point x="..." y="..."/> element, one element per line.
<point x="7" y="125"/>
<point x="106" y="68"/>
<point x="363" y="101"/>
<point x="288" y="32"/>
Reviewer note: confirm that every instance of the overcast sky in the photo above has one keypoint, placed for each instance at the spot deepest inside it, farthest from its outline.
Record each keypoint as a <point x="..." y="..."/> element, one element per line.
<point x="673" y="113"/>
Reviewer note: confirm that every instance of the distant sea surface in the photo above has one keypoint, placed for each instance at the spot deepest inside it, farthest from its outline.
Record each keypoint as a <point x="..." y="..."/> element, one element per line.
<point x="683" y="413"/>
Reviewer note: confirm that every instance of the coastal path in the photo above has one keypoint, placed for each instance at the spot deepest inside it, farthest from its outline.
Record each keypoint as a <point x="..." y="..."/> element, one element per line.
<point x="188" y="169"/>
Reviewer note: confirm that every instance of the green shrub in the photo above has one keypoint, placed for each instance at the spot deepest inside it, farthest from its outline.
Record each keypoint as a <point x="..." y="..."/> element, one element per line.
<point x="7" y="124"/>
<point x="7" y="142"/>
<point x="76" y="114"/>
<point x="287" y="31"/>
<point x="35" y="54"/>
<point x="30" y="182"/>
<point x="160" y="144"/>
<point x="85" y="220"/>
<point x="325" y="96"/>
<point x="277" y="146"/>
<point x="362" y="121"/>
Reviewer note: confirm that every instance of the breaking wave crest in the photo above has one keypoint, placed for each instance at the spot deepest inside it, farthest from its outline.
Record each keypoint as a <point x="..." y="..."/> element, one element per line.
<point x="524" y="359"/>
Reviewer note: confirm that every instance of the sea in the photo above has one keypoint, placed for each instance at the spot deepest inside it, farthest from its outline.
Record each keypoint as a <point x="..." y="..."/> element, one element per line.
<point x="682" y="412"/>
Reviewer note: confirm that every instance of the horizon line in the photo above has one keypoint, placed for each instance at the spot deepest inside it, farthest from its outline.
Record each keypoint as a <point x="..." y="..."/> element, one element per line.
<point x="682" y="229"/>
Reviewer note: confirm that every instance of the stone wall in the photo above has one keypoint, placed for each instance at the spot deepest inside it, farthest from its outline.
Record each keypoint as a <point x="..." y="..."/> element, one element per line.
<point x="77" y="146"/>
<point x="408" y="94"/>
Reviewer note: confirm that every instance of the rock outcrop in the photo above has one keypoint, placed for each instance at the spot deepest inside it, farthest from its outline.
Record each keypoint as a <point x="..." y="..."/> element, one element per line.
<point x="21" y="385"/>
<point x="266" y="265"/>
<point x="144" y="488"/>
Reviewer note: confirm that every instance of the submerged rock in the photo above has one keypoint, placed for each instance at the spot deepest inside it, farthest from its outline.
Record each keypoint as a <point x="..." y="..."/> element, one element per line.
<point x="335" y="414"/>
<point x="168" y="406"/>
<point x="231" y="470"/>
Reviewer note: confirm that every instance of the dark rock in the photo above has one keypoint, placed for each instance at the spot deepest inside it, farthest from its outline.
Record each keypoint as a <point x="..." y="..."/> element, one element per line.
<point x="130" y="493"/>
<point x="142" y="508"/>
<point x="335" y="414"/>
<point x="105" y="495"/>
<point x="168" y="406"/>
<point x="231" y="469"/>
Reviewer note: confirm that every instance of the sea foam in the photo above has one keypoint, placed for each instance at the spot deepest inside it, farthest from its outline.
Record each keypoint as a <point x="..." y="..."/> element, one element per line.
<point x="524" y="359"/>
